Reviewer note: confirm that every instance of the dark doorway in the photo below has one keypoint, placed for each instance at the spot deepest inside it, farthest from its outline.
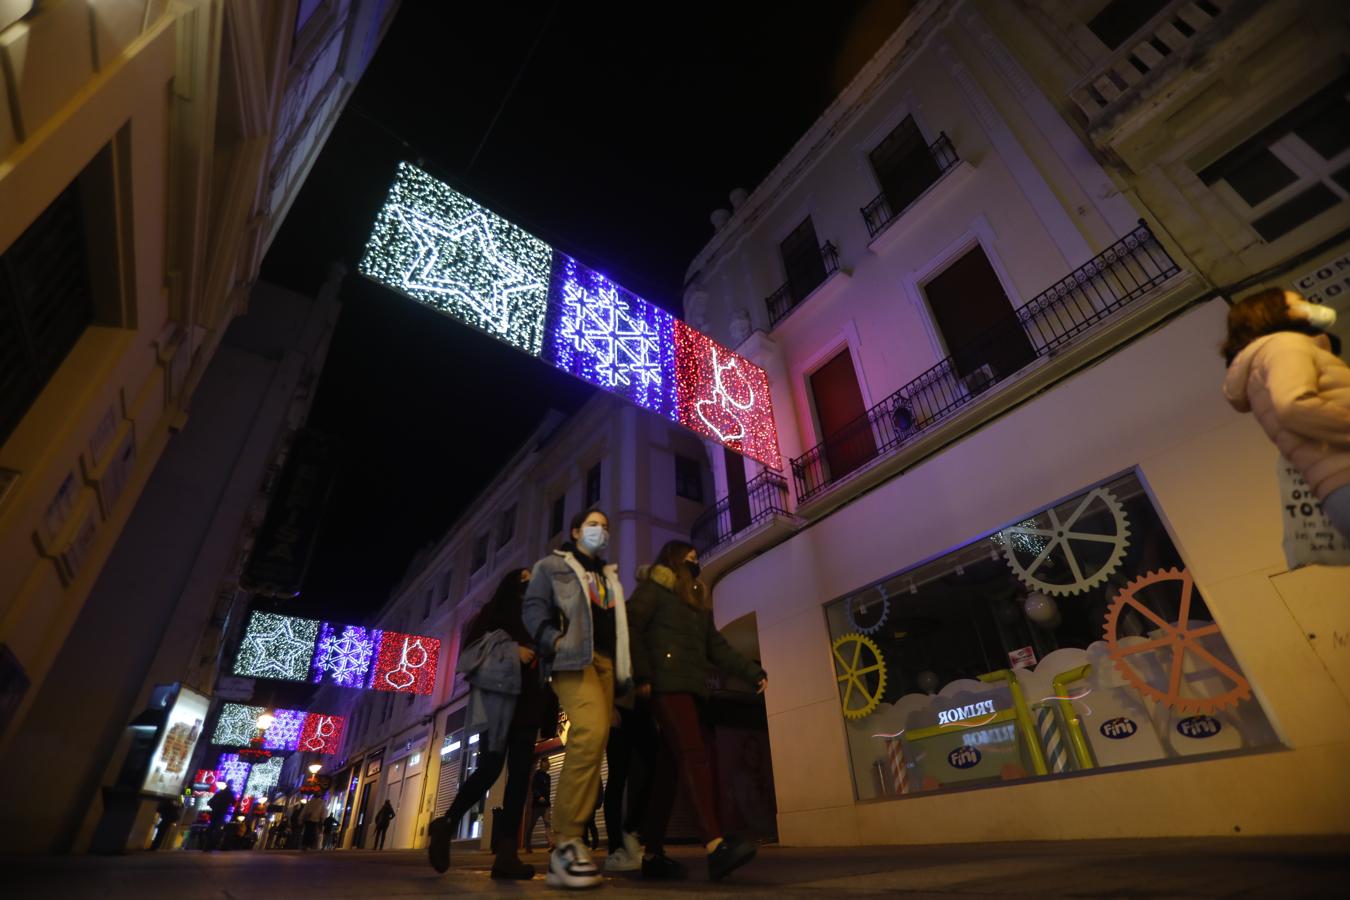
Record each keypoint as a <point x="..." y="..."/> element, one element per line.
<point x="802" y="260"/>
<point x="842" y="416"/>
<point x="738" y="497"/>
<point x="977" y="321"/>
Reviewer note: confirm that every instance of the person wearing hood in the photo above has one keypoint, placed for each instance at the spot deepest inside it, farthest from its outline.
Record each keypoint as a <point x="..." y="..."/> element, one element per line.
<point x="574" y="609"/>
<point x="675" y="648"/>
<point x="498" y="659"/>
<point x="1285" y="369"/>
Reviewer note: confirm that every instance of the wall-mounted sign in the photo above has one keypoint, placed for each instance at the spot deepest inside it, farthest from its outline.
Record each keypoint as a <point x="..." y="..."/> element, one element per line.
<point x="177" y="739"/>
<point x="374" y="763"/>
<point x="442" y="249"/>
<point x="1328" y="283"/>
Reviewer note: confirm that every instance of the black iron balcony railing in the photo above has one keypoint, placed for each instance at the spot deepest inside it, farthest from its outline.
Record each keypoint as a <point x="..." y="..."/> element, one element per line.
<point x="794" y="291"/>
<point x="888" y="206"/>
<point x="1110" y="281"/>
<point x="765" y="495"/>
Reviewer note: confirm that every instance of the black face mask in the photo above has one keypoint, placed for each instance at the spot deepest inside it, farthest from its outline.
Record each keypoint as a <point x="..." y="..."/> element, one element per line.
<point x="693" y="568"/>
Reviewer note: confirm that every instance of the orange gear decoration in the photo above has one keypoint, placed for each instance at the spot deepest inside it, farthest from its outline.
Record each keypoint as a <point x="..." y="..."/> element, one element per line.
<point x="1180" y="638"/>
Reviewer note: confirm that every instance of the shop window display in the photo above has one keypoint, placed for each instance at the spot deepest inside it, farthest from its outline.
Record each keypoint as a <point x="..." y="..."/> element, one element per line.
<point x="1072" y="640"/>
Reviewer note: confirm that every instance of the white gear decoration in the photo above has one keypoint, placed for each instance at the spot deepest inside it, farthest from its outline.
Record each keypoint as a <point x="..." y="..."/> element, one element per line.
<point x="1060" y="534"/>
<point x="881" y="619"/>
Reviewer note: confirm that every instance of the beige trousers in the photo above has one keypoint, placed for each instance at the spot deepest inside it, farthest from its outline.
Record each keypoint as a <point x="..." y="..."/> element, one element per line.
<point x="587" y="696"/>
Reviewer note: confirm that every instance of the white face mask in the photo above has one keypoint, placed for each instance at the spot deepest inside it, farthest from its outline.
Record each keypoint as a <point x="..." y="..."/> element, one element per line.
<point x="593" y="538"/>
<point x="1317" y="315"/>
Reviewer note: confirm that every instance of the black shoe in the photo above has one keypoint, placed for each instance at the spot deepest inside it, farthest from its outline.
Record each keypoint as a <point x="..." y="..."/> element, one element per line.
<point x="663" y="868"/>
<point x="438" y="843"/>
<point x="511" y="868"/>
<point x="729" y="856"/>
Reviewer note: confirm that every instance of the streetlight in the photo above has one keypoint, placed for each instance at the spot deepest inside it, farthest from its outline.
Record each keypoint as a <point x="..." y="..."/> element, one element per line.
<point x="314" y="768"/>
<point x="265" y="721"/>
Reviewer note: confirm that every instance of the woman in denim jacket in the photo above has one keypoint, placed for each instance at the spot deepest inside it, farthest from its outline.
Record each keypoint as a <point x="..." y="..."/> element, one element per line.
<point x="574" y="609"/>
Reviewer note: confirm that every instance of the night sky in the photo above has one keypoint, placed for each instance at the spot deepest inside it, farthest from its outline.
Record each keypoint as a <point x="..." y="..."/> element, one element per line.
<point x="623" y="133"/>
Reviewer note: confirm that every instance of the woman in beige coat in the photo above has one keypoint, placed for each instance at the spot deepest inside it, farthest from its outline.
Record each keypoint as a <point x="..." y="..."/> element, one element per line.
<point x="1283" y="369"/>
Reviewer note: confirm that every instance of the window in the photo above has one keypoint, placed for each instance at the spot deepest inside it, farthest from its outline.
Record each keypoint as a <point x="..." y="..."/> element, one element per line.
<point x="982" y="332"/>
<point x="46" y="302"/>
<point x="426" y="605"/>
<point x="1120" y="19"/>
<point x="480" y="553"/>
<point x="443" y="589"/>
<point x="592" y="486"/>
<point x="688" y="478"/>
<point x="904" y="165"/>
<point x="803" y="260"/>
<point x="844" y="427"/>
<point x="556" y="515"/>
<point x="1291" y="171"/>
<point x="507" y="528"/>
<point x="928" y="658"/>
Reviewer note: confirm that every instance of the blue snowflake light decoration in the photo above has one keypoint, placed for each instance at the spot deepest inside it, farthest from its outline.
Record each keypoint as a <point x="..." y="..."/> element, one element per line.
<point x="343" y="656"/>
<point x="601" y="333"/>
<point x="285" y="731"/>
<point x="233" y="772"/>
<point x="277" y="647"/>
<point x="442" y="249"/>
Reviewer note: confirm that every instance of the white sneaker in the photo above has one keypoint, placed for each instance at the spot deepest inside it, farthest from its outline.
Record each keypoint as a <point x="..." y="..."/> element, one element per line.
<point x="623" y="861"/>
<point x="570" y="866"/>
<point x="633" y="846"/>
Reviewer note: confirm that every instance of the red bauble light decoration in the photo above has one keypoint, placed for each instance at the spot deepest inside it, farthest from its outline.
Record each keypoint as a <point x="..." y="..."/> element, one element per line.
<point x="321" y="733"/>
<point x="405" y="663"/>
<point x="724" y="396"/>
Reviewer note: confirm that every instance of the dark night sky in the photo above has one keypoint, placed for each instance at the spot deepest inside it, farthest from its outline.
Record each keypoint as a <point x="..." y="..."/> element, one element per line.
<point x="627" y="128"/>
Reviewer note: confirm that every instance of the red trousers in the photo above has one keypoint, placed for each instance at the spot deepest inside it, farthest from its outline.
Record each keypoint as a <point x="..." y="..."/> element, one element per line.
<point x="684" y="747"/>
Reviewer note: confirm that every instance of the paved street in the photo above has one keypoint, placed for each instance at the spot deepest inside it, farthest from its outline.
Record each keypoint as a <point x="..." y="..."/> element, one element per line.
<point x="1238" y="867"/>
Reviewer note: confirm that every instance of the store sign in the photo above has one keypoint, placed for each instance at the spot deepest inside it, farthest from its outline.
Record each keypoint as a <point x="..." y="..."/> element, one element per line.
<point x="964" y="757"/>
<point x="1023" y="658"/>
<point x="969" y="711"/>
<point x="177" y="740"/>
<point x="1199" y="726"/>
<point x="1119" y="728"/>
<point x="1329" y="281"/>
<point x="375" y="764"/>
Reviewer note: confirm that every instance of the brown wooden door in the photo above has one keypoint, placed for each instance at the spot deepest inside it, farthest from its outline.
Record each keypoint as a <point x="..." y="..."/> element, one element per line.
<point x="840" y="411"/>
<point x="976" y="319"/>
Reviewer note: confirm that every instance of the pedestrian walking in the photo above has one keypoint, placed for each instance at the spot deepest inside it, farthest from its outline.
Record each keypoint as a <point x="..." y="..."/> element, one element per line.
<point x="1285" y="369"/>
<point x="574" y="608"/>
<point x="312" y="816"/>
<point x="330" y="826"/>
<point x="508" y="700"/>
<point x="170" y="811"/>
<point x="220" y="804"/>
<point x="540" y="805"/>
<point x="631" y="752"/>
<point x="675" y="648"/>
<point x="382" y="820"/>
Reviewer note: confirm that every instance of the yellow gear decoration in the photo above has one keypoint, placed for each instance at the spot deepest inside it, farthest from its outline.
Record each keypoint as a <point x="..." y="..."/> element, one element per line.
<point x="850" y="669"/>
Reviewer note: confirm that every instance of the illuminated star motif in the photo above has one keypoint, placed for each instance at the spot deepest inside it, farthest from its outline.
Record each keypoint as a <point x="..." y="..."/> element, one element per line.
<point x="236" y="725"/>
<point x="602" y="334"/>
<point x="277" y="647"/>
<point x="345" y="657"/>
<point x="441" y="248"/>
<point x="263" y="777"/>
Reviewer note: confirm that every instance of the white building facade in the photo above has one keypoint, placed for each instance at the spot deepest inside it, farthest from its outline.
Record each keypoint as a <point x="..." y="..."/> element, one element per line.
<point x="1021" y="576"/>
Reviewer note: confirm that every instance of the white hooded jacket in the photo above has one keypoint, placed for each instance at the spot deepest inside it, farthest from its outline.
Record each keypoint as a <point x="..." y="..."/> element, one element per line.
<point x="1300" y="394"/>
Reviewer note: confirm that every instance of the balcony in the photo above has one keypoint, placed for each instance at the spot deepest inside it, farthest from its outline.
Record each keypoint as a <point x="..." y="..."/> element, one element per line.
<point x="1166" y="41"/>
<point x="1110" y="282"/>
<point x="761" y="517"/>
<point x="792" y="294"/>
<point x="884" y="210"/>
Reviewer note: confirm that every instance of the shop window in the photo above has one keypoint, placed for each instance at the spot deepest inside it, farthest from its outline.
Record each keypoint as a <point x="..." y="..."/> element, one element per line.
<point x="904" y="165"/>
<point x="802" y="260"/>
<point x="1072" y="640"/>
<point x="1291" y="171"/>
<point x="688" y="478"/>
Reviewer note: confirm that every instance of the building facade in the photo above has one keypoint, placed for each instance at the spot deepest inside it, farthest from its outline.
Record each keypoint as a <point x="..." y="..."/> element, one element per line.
<point x="148" y="154"/>
<point x="1022" y="575"/>
<point x="651" y="478"/>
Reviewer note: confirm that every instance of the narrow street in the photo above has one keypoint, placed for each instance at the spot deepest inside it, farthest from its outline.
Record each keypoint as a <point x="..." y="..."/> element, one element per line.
<point x="1225" y="867"/>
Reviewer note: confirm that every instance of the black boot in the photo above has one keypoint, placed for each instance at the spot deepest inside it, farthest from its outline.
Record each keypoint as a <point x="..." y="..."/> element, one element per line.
<point x="507" y="865"/>
<point x="438" y="843"/>
<point x="730" y="855"/>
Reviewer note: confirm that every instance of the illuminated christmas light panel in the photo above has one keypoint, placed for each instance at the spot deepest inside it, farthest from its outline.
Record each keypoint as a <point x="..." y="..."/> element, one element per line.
<point x="344" y="656"/>
<point x="233" y="772"/>
<point x="405" y="663"/>
<point x="442" y="249"/>
<point x="244" y="805"/>
<point x="236" y="725"/>
<point x="285" y="731"/>
<point x="601" y="333"/>
<point x="322" y="733"/>
<point x="277" y="647"/>
<point x="263" y="778"/>
<point x="724" y="396"/>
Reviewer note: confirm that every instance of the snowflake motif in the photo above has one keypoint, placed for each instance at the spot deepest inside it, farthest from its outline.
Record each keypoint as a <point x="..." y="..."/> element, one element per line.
<point x="277" y="647"/>
<point x="285" y="731"/>
<point x="344" y="657"/>
<point x="233" y="772"/>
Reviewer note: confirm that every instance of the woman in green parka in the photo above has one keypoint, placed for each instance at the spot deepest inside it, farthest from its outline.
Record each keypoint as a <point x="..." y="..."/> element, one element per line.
<point x="675" y="646"/>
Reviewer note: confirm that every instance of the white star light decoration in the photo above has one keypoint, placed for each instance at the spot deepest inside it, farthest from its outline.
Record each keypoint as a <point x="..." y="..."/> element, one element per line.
<point x="236" y="725"/>
<point x="442" y="249"/>
<point x="277" y="647"/>
<point x="263" y="777"/>
<point x="611" y="338"/>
